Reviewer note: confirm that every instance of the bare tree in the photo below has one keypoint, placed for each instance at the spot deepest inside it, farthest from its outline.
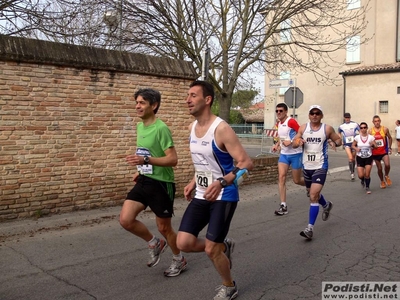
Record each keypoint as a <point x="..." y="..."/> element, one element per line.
<point x="244" y="36"/>
<point x="73" y="22"/>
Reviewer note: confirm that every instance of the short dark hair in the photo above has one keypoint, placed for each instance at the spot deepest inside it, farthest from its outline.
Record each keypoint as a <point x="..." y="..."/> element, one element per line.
<point x="282" y="105"/>
<point x="363" y="123"/>
<point x="208" y="89"/>
<point x="150" y="95"/>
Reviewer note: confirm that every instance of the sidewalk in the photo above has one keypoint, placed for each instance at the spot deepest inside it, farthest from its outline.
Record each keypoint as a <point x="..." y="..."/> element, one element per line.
<point x="29" y="227"/>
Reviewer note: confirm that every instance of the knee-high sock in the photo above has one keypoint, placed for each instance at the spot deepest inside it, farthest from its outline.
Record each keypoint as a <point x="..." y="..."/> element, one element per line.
<point x="322" y="200"/>
<point x="367" y="182"/>
<point x="312" y="217"/>
<point x="351" y="167"/>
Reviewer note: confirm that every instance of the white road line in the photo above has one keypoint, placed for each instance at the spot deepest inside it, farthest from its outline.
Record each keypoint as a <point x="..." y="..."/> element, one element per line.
<point x="339" y="169"/>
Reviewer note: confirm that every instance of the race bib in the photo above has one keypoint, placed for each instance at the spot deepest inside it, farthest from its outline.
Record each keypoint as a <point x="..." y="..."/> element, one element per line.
<point x="349" y="139"/>
<point x="284" y="138"/>
<point x="364" y="153"/>
<point x="203" y="178"/>
<point x="144" y="169"/>
<point x="310" y="157"/>
<point x="379" y="143"/>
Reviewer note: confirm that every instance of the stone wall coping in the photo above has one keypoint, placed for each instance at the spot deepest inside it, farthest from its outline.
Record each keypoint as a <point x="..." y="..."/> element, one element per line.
<point x="45" y="52"/>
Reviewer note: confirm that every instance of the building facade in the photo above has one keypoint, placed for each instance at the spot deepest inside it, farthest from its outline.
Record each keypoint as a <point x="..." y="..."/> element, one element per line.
<point x="369" y="80"/>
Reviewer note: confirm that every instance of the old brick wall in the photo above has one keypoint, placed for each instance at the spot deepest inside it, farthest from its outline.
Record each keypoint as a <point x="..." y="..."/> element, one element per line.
<point x="67" y="122"/>
<point x="265" y="170"/>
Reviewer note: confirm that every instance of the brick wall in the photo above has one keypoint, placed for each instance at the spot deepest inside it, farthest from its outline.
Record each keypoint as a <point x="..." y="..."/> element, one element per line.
<point x="67" y="122"/>
<point x="265" y="170"/>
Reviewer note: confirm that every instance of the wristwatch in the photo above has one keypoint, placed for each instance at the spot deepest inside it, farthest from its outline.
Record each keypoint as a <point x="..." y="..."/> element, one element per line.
<point x="222" y="181"/>
<point x="146" y="160"/>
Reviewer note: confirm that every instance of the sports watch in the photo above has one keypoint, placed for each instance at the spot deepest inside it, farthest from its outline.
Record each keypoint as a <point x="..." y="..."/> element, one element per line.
<point x="146" y="160"/>
<point x="222" y="181"/>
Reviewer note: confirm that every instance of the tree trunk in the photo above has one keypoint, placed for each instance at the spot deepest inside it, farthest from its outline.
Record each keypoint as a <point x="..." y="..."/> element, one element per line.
<point x="225" y="106"/>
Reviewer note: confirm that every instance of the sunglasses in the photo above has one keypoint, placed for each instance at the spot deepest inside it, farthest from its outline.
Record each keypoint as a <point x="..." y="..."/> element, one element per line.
<point x="363" y="127"/>
<point x="279" y="110"/>
<point x="316" y="113"/>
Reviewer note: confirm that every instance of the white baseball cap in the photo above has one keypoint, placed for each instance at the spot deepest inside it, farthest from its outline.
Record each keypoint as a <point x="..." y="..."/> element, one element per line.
<point x="315" y="107"/>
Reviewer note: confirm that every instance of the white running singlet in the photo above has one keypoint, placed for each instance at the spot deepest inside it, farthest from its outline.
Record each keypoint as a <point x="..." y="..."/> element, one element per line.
<point x="349" y="131"/>
<point x="287" y="133"/>
<point x="210" y="163"/>
<point x="364" y="144"/>
<point x="315" y="153"/>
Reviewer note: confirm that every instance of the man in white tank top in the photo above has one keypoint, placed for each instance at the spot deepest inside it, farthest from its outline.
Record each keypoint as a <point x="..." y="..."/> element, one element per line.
<point x="289" y="156"/>
<point x="214" y="147"/>
<point x="314" y="137"/>
<point x="348" y="130"/>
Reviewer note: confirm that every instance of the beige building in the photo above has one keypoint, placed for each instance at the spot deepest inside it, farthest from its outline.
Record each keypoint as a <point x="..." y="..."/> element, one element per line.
<point x="369" y="81"/>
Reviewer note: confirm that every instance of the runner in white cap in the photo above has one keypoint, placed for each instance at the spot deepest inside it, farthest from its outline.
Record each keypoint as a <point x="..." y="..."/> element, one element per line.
<point x="314" y="136"/>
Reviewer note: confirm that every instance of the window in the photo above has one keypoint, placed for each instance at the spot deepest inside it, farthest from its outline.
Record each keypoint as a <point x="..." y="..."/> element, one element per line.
<point x="285" y="33"/>
<point x="353" y="49"/>
<point x="398" y="90"/>
<point x="284" y="75"/>
<point x="353" y="4"/>
<point x="383" y="107"/>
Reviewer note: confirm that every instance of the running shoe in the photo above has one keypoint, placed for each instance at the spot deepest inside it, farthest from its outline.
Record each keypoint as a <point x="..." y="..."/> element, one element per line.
<point x="282" y="210"/>
<point x="307" y="233"/>
<point x="226" y="292"/>
<point x="383" y="185"/>
<point x="388" y="181"/>
<point x="362" y="183"/>
<point x="176" y="267"/>
<point x="156" y="251"/>
<point x="368" y="190"/>
<point x="327" y="210"/>
<point x="352" y="176"/>
<point x="230" y="246"/>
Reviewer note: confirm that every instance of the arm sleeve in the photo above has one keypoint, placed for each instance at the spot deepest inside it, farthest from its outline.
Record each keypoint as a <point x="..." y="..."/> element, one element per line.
<point x="293" y="124"/>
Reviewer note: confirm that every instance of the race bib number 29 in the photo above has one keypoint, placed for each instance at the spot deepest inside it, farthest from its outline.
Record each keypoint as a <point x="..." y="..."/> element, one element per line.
<point x="203" y="178"/>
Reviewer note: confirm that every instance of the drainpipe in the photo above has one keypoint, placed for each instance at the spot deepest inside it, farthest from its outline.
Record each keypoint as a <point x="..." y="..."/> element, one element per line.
<point x="344" y="94"/>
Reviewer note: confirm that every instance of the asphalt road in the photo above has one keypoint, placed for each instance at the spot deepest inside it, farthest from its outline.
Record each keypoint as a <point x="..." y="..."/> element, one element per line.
<point x="87" y="255"/>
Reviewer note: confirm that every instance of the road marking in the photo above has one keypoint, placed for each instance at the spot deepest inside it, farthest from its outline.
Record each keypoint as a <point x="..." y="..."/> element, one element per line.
<point x="339" y="169"/>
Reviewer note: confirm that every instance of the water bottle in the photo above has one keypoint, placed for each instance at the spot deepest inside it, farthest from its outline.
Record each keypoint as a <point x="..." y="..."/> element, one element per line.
<point x="241" y="176"/>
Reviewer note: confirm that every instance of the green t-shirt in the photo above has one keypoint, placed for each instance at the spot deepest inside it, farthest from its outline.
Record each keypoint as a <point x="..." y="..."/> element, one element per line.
<point x="152" y="141"/>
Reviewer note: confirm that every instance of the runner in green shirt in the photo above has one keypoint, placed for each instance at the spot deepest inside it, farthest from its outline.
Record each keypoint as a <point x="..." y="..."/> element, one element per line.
<point x="154" y="158"/>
